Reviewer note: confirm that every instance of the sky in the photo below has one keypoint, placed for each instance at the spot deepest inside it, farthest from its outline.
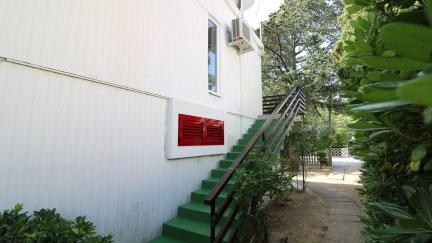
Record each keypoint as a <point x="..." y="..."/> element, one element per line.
<point x="260" y="11"/>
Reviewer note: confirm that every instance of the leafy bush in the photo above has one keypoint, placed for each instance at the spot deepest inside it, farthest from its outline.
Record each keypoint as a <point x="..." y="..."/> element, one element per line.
<point x="312" y="135"/>
<point x="259" y="180"/>
<point x="46" y="225"/>
<point x="323" y="157"/>
<point x="385" y="60"/>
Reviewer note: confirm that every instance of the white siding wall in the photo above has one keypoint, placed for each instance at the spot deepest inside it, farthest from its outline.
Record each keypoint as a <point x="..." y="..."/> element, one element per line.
<point x="92" y="149"/>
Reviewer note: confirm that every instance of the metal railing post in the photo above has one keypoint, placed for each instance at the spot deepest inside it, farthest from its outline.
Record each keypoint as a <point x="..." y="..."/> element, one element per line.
<point x="213" y="227"/>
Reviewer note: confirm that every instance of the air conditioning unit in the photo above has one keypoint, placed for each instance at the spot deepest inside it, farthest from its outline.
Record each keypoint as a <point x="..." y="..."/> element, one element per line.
<point x="241" y="36"/>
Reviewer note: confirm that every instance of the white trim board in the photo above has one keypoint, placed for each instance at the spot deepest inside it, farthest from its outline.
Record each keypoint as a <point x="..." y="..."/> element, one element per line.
<point x="176" y="107"/>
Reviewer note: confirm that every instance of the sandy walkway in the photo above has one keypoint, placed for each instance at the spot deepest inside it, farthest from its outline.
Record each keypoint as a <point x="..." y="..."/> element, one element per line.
<point x="326" y="213"/>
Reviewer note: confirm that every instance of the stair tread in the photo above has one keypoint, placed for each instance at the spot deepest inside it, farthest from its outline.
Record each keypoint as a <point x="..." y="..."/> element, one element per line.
<point x="191" y="225"/>
<point x="166" y="239"/>
<point x="215" y="179"/>
<point x="206" y="192"/>
<point x="200" y="207"/>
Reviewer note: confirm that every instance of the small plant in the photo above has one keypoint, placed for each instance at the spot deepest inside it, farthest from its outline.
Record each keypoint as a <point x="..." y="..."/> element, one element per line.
<point x="259" y="180"/>
<point x="46" y="225"/>
<point x="322" y="157"/>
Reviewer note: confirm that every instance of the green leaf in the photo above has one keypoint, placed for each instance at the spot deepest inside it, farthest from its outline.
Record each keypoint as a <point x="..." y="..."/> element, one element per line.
<point x="374" y="75"/>
<point x="363" y="2"/>
<point x="389" y="233"/>
<point x="409" y="191"/>
<point x="425" y="202"/>
<point x="395" y="63"/>
<point x="380" y="106"/>
<point x="427" y="114"/>
<point x="363" y="125"/>
<point x="413" y="17"/>
<point x="348" y="2"/>
<point x="417" y="91"/>
<point x="378" y="133"/>
<point x="409" y="40"/>
<point x="428" y="9"/>
<point x="389" y="53"/>
<point x="379" y="92"/>
<point x="389" y="77"/>
<point x="415" y="165"/>
<point x="428" y="166"/>
<point x="419" y="152"/>
<point x="362" y="48"/>
<point x="394" y="210"/>
<point x="352" y="9"/>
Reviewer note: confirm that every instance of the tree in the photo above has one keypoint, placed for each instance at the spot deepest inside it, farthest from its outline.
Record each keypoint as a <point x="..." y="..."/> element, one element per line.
<point x="299" y="39"/>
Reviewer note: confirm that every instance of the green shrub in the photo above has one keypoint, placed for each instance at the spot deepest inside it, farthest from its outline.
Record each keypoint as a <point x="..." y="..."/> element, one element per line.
<point x="46" y="225"/>
<point x="259" y="180"/>
<point x="385" y="60"/>
<point x="323" y="157"/>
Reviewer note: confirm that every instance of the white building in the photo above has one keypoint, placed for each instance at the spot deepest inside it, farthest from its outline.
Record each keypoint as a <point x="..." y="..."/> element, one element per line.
<point x="90" y="97"/>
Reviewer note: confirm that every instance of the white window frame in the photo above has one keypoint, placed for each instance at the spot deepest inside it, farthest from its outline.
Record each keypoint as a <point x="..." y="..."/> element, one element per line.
<point x="218" y="57"/>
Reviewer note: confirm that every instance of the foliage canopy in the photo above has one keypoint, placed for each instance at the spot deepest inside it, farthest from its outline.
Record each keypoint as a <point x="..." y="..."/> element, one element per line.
<point x="385" y="61"/>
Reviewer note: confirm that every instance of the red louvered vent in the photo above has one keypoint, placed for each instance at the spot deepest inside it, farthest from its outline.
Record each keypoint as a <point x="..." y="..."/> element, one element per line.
<point x="215" y="132"/>
<point x="191" y="130"/>
<point x="199" y="131"/>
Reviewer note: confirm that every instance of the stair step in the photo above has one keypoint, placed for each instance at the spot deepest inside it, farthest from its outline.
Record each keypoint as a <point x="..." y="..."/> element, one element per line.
<point x="238" y="148"/>
<point x="245" y="141"/>
<point x="166" y="239"/>
<point x="189" y="230"/>
<point x="198" y="196"/>
<point x="248" y="135"/>
<point x="258" y="124"/>
<point x="225" y="163"/>
<point x="212" y="181"/>
<point x="198" y="211"/>
<point x="232" y="155"/>
<point x="218" y="173"/>
<point x="253" y="130"/>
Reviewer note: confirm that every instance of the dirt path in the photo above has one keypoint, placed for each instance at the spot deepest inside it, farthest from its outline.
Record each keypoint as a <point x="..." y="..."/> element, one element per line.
<point x="326" y="213"/>
<point x="302" y="220"/>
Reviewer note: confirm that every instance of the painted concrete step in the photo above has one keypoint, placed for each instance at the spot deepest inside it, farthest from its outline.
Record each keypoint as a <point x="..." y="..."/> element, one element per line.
<point x="232" y="155"/>
<point x="225" y="163"/>
<point x="209" y="183"/>
<point x="166" y="239"/>
<point x="198" y="196"/>
<point x="248" y="135"/>
<point x="189" y="230"/>
<point x="198" y="211"/>
<point x="244" y="141"/>
<point x="253" y="130"/>
<point x="218" y="173"/>
<point x="257" y="124"/>
<point x="238" y="148"/>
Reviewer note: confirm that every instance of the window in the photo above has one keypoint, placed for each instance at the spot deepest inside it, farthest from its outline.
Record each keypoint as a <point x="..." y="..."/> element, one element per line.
<point x="212" y="57"/>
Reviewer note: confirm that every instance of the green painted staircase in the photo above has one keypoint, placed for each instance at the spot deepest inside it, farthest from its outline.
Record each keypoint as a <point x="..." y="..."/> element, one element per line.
<point x="192" y="223"/>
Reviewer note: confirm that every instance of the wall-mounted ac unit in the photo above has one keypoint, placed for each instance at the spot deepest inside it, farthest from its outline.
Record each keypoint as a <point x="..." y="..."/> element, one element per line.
<point x="241" y="36"/>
